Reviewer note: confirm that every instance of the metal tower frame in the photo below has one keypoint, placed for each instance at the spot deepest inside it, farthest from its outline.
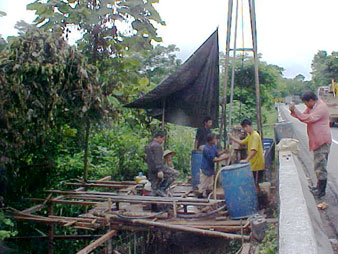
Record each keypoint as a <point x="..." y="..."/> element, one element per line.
<point x="227" y="61"/>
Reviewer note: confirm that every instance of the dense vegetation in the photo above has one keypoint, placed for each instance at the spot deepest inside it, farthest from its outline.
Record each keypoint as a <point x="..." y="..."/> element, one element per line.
<point x="61" y="107"/>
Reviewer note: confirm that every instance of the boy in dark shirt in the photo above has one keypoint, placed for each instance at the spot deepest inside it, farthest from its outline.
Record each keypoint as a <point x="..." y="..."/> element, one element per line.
<point x="202" y="133"/>
<point x="210" y="157"/>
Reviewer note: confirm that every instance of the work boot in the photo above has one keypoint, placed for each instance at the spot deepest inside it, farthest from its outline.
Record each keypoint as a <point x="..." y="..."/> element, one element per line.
<point x="320" y="190"/>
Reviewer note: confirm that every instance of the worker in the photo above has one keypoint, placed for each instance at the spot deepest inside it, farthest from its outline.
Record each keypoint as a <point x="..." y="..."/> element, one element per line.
<point x="202" y="133"/>
<point x="160" y="176"/>
<point x="168" y="158"/>
<point x="335" y="87"/>
<point x="316" y="116"/>
<point x="207" y="171"/>
<point x="332" y="88"/>
<point x="254" y="145"/>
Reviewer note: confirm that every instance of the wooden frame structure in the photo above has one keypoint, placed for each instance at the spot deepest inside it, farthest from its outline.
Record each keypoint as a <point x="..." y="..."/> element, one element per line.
<point x="125" y="210"/>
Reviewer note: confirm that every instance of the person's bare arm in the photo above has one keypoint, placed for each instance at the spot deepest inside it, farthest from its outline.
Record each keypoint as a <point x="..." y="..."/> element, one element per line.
<point x="220" y="158"/>
<point x="253" y="152"/>
<point x="195" y="145"/>
<point x="238" y="141"/>
<point x="221" y="153"/>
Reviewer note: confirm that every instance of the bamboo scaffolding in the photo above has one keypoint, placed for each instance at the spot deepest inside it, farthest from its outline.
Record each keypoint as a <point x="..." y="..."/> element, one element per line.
<point x="98" y="242"/>
<point x="132" y="214"/>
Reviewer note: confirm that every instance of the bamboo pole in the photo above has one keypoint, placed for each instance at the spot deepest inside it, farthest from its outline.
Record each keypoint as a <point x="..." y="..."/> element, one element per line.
<point x="51" y="232"/>
<point x="98" y="242"/>
<point x="56" y="237"/>
<point x="102" y="185"/>
<point x="86" y="151"/>
<point x="163" y="115"/>
<point x="189" y="229"/>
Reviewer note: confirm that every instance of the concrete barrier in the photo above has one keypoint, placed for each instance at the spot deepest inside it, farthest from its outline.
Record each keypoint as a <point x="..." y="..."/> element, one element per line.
<point x="296" y="234"/>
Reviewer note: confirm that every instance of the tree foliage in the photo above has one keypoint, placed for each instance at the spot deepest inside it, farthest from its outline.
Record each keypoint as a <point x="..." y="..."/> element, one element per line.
<point x="324" y="68"/>
<point x="244" y="91"/>
<point x="107" y="25"/>
<point x="48" y="92"/>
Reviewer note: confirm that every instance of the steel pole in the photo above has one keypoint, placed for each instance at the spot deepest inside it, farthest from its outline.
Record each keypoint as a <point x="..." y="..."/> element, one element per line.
<point x="226" y="73"/>
<point x="257" y="86"/>
<point x="233" y="67"/>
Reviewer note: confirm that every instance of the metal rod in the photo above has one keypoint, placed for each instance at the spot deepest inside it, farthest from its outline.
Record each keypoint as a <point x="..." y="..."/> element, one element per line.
<point x="233" y="67"/>
<point x="257" y="87"/>
<point x="243" y="49"/>
<point x="226" y="72"/>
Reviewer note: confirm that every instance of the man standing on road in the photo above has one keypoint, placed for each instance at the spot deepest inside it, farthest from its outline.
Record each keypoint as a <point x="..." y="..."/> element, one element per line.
<point x="202" y="133"/>
<point x="255" y="150"/>
<point x="316" y="116"/>
<point x="160" y="176"/>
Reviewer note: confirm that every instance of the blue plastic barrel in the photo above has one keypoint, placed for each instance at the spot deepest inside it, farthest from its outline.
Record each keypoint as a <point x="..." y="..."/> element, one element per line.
<point x="267" y="142"/>
<point x="196" y="160"/>
<point x="239" y="190"/>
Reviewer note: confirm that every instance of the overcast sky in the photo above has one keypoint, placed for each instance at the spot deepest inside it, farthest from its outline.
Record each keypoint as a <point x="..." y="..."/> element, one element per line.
<point x="290" y="32"/>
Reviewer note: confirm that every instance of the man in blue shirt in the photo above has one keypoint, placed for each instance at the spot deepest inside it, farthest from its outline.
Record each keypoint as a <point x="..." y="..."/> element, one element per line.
<point x="209" y="158"/>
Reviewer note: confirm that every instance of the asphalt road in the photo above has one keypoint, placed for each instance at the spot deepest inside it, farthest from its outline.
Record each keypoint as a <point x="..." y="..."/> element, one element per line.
<point x="330" y="215"/>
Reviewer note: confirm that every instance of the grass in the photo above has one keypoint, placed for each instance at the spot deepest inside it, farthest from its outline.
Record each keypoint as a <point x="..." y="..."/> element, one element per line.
<point x="269" y="118"/>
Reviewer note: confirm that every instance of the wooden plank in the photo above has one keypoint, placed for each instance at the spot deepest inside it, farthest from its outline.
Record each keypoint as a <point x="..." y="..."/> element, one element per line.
<point x="190" y="229"/>
<point x="33" y="209"/>
<point x="98" y="185"/>
<point x="98" y="242"/>
<point x="113" y="182"/>
<point x="56" y="237"/>
<point x="134" y="197"/>
<point x="246" y="248"/>
<point x="68" y="202"/>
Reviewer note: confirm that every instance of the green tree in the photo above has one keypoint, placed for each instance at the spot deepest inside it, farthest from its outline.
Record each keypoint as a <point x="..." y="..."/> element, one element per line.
<point x="244" y="91"/>
<point x="157" y="63"/>
<point x="2" y="40"/>
<point x="324" y="68"/>
<point x="49" y="92"/>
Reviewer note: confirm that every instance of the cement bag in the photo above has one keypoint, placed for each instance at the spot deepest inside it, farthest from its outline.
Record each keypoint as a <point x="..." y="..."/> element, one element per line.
<point x="288" y="144"/>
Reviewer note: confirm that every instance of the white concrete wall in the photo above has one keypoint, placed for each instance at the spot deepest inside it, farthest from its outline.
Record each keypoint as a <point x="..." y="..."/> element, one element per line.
<point x="296" y="235"/>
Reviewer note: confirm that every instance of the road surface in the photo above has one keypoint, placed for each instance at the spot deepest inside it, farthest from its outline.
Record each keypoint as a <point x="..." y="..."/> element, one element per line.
<point x="330" y="215"/>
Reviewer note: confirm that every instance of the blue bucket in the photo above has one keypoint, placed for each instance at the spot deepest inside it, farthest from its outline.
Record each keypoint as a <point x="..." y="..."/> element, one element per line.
<point x="239" y="190"/>
<point x="196" y="161"/>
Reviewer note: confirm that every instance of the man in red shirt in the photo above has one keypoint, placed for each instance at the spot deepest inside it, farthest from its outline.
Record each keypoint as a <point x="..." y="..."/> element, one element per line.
<point x="316" y="116"/>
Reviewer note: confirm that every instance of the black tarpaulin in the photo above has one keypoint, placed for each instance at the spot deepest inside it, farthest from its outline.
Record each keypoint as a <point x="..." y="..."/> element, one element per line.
<point x="191" y="93"/>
